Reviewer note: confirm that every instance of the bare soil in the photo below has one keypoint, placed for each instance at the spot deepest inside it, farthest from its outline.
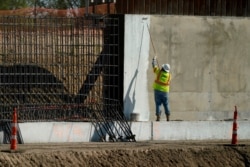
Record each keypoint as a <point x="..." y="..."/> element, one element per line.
<point x="129" y="154"/>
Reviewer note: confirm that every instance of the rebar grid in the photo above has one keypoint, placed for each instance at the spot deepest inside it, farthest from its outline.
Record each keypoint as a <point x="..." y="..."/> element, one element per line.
<point x="55" y="68"/>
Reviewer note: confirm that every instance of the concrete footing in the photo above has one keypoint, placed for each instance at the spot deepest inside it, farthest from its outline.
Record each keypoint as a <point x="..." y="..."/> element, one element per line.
<point x="46" y="132"/>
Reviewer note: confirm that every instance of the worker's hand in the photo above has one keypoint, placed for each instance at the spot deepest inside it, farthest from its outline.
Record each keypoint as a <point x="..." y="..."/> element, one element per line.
<point x="154" y="62"/>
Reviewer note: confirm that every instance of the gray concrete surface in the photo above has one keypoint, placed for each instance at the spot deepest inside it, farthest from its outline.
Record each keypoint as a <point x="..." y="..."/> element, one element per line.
<point x="210" y="64"/>
<point x="60" y="132"/>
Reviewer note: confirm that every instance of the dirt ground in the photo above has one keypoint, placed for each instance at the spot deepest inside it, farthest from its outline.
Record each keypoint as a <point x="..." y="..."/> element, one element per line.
<point x="129" y="154"/>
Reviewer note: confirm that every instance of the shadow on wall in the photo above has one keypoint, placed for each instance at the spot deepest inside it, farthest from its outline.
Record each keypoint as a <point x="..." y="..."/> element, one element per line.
<point x="30" y="84"/>
<point x="130" y="102"/>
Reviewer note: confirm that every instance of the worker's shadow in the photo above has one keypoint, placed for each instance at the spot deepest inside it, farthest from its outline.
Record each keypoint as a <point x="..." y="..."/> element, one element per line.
<point x="130" y="101"/>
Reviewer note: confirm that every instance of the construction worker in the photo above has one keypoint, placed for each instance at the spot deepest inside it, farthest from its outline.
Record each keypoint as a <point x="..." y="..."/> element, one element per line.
<point x="161" y="88"/>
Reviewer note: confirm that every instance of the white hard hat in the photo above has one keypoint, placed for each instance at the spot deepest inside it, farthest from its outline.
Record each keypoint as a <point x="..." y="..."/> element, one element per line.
<point x="166" y="67"/>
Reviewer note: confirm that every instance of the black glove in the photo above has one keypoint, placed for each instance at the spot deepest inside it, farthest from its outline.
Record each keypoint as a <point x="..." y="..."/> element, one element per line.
<point x="154" y="62"/>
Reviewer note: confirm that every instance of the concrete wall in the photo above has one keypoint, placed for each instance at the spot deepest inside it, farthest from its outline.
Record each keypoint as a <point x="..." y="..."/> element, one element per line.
<point x="210" y="64"/>
<point x="136" y="64"/>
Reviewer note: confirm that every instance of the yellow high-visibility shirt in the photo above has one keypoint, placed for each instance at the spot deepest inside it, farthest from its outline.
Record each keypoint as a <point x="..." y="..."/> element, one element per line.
<point x="162" y="80"/>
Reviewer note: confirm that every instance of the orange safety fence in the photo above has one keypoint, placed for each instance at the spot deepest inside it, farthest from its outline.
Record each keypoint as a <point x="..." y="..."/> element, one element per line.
<point x="76" y="12"/>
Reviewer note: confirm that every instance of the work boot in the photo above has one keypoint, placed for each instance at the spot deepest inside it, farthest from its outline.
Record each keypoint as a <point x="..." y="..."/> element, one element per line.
<point x="158" y="118"/>
<point x="167" y="116"/>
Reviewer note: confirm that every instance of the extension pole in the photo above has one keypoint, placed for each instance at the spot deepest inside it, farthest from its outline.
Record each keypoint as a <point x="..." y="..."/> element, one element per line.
<point x="151" y="41"/>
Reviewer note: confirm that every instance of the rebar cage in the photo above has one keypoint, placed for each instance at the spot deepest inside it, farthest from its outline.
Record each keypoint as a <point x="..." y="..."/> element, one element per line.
<point x="55" y="68"/>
